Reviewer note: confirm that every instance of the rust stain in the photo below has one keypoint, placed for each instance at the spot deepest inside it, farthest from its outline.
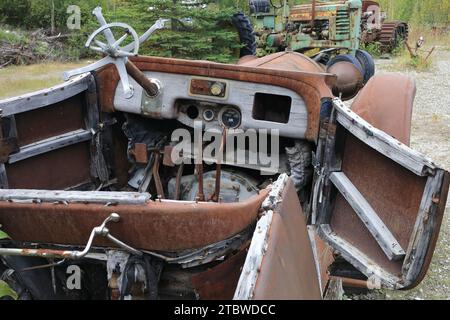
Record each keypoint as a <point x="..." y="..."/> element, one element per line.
<point x="50" y="121"/>
<point x="288" y="269"/>
<point x="54" y="170"/>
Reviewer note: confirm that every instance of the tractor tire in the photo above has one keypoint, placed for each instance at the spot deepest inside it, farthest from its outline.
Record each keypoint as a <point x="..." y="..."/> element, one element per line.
<point x="246" y="34"/>
<point x="346" y="58"/>
<point x="367" y="63"/>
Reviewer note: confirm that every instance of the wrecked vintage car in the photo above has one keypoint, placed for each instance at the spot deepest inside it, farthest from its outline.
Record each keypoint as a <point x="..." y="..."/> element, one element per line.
<point x="158" y="178"/>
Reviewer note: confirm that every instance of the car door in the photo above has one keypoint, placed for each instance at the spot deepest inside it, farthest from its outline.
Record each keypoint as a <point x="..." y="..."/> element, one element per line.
<point x="378" y="203"/>
<point x="50" y="139"/>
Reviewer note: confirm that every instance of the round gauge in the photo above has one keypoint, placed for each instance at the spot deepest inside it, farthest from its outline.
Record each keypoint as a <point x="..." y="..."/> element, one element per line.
<point x="230" y="118"/>
<point x="208" y="115"/>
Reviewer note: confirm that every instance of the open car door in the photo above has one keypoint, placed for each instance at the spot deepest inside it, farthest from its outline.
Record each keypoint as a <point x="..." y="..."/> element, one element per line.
<point x="378" y="203"/>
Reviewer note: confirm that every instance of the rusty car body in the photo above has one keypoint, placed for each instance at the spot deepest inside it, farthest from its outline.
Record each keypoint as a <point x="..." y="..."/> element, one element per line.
<point x="87" y="181"/>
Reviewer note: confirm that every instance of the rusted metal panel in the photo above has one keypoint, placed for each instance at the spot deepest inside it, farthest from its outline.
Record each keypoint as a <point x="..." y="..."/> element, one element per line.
<point x="323" y="254"/>
<point x="50" y="121"/>
<point x="393" y="191"/>
<point x="59" y="169"/>
<point x="288" y="70"/>
<point x="386" y="102"/>
<point x="288" y="269"/>
<point x="140" y="153"/>
<point x="165" y="226"/>
<point x="219" y="282"/>
<point x="441" y="200"/>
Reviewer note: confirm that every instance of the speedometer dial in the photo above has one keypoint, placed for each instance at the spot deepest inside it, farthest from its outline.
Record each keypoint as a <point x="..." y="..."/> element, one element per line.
<point x="230" y="118"/>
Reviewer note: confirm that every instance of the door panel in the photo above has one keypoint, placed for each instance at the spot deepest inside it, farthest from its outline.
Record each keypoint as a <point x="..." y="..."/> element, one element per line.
<point x="56" y="170"/>
<point x="382" y="203"/>
<point x="48" y="138"/>
<point x="280" y="263"/>
<point x="50" y="121"/>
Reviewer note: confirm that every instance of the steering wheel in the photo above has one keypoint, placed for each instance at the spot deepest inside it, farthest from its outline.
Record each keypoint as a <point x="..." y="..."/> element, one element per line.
<point x="115" y="54"/>
<point x="113" y="48"/>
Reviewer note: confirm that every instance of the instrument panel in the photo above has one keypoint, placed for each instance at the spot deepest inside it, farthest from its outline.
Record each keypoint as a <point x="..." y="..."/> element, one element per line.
<point x="219" y="103"/>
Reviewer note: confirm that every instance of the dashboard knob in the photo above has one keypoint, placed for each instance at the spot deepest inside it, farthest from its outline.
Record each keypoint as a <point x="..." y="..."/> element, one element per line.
<point x="217" y="89"/>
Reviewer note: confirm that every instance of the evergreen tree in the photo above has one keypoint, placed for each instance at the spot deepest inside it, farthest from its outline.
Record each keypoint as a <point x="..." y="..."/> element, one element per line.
<point x="198" y="29"/>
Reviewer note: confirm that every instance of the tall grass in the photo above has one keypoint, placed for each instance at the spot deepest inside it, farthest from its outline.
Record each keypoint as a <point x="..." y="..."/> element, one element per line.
<point x="17" y="80"/>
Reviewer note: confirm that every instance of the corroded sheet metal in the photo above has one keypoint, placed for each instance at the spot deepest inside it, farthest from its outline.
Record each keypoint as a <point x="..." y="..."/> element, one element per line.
<point x="54" y="170"/>
<point x="393" y="191"/>
<point x="50" y="121"/>
<point x="219" y="282"/>
<point x="386" y="102"/>
<point x="285" y="69"/>
<point x="288" y="269"/>
<point x="323" y="254"/>
<point x="165" y="226"/>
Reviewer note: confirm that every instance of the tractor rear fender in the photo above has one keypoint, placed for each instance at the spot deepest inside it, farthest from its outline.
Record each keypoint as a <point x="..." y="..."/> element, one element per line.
<point x="386" y="102"/>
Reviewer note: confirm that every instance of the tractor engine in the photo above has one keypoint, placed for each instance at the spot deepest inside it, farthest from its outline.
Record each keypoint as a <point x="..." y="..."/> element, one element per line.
<point x="303" y="27"/>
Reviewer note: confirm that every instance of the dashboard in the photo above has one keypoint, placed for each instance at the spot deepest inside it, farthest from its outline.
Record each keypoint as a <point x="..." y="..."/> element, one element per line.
<point x="218" y="103"/>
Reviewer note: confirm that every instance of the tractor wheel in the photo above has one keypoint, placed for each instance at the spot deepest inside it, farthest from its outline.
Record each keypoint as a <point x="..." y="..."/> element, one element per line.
<point x="246" y="34"/>
<point x="346" y="58"/>
<point x="392" y="34"/>
<point x="367" y="63"/>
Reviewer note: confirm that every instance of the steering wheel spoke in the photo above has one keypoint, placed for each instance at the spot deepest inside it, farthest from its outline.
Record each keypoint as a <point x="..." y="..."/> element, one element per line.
<point x="127" y="88"/>
<point x="97" y="49"/>
<point x="115" y="54"/>
<point x="102" y="45"/>
<point x="119" y="42"/>
<point x="94" y="66"/>
<point x="101" y="20"/>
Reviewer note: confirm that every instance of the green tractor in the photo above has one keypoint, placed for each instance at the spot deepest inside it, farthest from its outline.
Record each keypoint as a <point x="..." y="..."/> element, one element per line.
<point x="327" y="32"/>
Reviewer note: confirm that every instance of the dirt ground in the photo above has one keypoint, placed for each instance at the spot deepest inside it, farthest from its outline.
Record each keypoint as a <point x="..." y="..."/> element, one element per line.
<point x="431" y="136"/>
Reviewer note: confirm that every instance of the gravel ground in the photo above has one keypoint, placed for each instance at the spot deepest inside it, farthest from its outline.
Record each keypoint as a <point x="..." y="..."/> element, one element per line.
<point x="431" y="136"/>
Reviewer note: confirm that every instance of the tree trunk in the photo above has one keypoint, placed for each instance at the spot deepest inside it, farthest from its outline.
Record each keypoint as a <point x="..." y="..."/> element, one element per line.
<point x="53" y="18"/>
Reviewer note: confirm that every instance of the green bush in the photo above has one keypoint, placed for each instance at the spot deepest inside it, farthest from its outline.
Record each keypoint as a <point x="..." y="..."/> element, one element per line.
<point x="11" y="36"/>
<point x="373" y="48"/>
